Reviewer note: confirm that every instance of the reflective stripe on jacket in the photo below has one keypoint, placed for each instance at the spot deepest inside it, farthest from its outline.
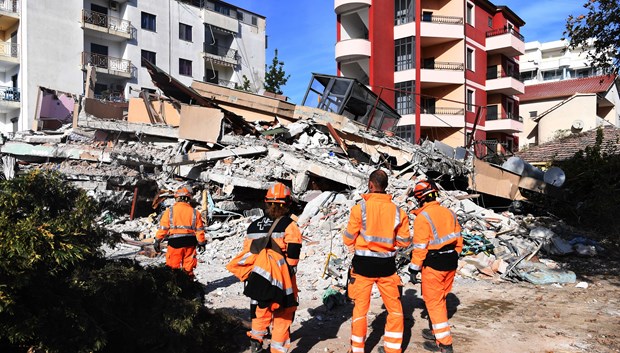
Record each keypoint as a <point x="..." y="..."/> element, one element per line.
<point x="377" y="226"/>
<point x="267" y="272"/>
<point x="434" y="227"/>
<point x="179" y="221"/>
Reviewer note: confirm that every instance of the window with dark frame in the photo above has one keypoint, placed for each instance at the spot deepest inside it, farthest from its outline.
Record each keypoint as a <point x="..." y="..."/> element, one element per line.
<point x="403" y="56"/>
<point x="403" y="11"/>
<point x="490" y="22"/>
<point x="469" y="100"/>
<point x="185" y="32"/>
<point x="406" y="132"/>
<point x="224" y="10"/>
<point x="470" y="14"/>
<point x="150" y="56"/>
<point x="404" y="97"/>
<point x="185" y="67"/>
<point x="469" y="60"/>
<point x="254" y="21"/>
<point x="149" y="21"/>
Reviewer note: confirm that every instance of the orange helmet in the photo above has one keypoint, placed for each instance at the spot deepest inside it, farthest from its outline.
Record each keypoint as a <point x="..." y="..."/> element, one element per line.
<point x="278" y="193"/>
<point x="183" y="192"/>
<point x="423" y="188"/>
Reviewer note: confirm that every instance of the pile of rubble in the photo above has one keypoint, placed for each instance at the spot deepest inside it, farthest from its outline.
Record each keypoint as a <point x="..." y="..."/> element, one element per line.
<point x="134" y="167"/>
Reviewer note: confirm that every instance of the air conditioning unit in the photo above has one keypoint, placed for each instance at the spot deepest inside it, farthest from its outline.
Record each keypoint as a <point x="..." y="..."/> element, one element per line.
<point x="113" y="5"/>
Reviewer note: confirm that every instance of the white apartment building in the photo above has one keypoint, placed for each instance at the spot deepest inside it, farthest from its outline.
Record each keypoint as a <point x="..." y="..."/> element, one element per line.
<point x="554" y="61"/>
<point x="49" y="43"/>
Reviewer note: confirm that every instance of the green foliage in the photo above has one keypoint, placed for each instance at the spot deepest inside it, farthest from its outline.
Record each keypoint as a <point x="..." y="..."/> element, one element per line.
<point x="593" y="190"/>
<point x="245" y="86"/>
<point x="275" y="77"/>
<point x="603" y="23"/>
<point x="59" y="294"/>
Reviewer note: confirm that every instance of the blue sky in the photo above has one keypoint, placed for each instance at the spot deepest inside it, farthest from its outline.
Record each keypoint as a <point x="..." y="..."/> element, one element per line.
<point x="304" y="32"/>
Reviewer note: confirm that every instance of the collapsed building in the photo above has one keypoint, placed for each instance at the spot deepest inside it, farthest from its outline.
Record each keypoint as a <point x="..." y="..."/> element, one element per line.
<point x="230" y="145"/>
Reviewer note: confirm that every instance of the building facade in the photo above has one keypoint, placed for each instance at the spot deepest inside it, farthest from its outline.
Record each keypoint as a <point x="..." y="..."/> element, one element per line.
<point x="50" y="43"/>
<point x="559" y="108"/>
<point x="449" y="67"/>
<point x="554" y="61"/>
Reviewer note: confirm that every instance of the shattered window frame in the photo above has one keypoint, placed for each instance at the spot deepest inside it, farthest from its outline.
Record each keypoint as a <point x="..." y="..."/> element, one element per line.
<point x="350" y="98"/>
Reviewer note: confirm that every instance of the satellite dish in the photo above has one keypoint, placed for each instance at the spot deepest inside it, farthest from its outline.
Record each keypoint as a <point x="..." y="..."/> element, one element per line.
<point x="577" y="124"/>
<point x="554" y="176"/>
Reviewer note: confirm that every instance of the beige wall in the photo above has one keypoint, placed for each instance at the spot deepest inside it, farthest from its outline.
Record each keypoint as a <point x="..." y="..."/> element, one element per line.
<point x="451" y="92"/>
<point x="444" y="7"/>
<point x="581" y="107"/>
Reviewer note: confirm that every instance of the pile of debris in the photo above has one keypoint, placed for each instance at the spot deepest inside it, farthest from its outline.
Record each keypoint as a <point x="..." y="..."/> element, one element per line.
<point x="132" y="160"/>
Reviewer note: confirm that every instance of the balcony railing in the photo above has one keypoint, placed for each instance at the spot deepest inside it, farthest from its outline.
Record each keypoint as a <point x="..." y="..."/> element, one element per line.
<point x="106" y="62"/>
<point x="105" y="21"/>
<point x="511" y="116"/>
<point x="10" y="94"/>
<point x="445" y="20"/>
<point x="438" y="65"/>
<point x="443" y="111"/>
<point x="219" y="50"/>
<point x="9" y="6"/>
<point x="514" y="117"/>
<point x="8" y="49"/>
<point x="491" y="75"/>
<point x="500" y="31"/>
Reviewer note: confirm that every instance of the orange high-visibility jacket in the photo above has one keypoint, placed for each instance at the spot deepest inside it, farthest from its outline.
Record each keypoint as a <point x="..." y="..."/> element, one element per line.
<point x="376" y="227"/>
<point x="434" y="227"/>
<point x="269" y="280"/>
<point x="182" y="225"/>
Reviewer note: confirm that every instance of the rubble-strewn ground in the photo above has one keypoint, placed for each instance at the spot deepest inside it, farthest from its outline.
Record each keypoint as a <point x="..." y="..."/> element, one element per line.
<point x="486" y="315"/>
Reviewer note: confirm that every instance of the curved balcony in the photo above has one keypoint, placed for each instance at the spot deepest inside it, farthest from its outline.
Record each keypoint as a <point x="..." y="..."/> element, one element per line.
<point x="352" y="49"/>
<point x="341" y="6"/>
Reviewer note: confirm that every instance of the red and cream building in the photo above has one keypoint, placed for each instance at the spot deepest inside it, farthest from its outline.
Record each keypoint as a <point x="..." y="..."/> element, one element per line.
<point x="450" y="67"/>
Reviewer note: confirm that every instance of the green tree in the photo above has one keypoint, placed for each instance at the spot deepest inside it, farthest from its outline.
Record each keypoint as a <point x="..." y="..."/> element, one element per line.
<point x="245" y="86"/>
<point x="602" y="22"/>
<point x="275" y="76"/>
<point x="58" y="293"/>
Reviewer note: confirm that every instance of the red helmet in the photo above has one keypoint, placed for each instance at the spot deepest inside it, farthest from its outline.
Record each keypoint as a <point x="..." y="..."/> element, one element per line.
<point x="423" y="188"/>
<point x="278" y="193"/>
<point x="183" y="192"/>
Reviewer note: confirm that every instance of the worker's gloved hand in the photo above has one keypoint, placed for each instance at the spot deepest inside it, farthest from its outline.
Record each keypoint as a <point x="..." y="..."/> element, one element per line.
<point x="157" y="245"/>
<point x="292" y="269"/>
<point x="413" y="276"/>
<point x="201" y="247"/>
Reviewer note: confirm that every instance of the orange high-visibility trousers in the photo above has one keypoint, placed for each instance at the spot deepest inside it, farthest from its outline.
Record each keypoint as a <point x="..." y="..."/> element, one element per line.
<point x="435" y="287"/>
<point x="280" y="331"/>
<point x="184" y="258"/>
<point x="360" y="289"/>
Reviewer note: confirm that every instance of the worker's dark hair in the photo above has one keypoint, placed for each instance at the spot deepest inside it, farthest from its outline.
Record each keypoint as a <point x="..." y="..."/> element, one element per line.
<point x="276" y="210"/>
<point x="379" y="178"/>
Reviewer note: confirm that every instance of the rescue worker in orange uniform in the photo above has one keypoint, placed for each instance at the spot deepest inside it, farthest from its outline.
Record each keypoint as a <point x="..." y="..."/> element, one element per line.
<point x="376" y="228"/>
<point x="182" y="226"/>
<point x="437" y="243"/>
<point x="273" y="244"/>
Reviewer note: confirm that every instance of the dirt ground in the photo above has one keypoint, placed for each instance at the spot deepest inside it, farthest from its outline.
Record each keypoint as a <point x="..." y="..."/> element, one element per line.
<point x="486" y="315"/>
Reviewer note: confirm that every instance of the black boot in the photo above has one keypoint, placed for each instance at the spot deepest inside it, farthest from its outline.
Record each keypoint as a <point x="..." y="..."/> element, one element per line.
<point x="256" y="346"/>
<point x="433" y="347"/>
<point x="427" y="334"/>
